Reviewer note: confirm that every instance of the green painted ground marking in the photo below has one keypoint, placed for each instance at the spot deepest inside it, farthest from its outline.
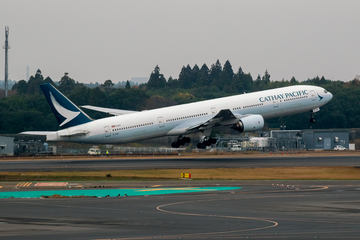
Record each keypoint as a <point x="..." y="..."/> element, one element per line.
<point x="111" y="192"/>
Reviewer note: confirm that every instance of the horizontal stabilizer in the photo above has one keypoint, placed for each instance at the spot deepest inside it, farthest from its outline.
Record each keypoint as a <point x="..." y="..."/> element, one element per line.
<point x="112" y="111"/>
<point x="57" y="135"/>
<point x="73" y="133"/>
<point x="38" y="133"/>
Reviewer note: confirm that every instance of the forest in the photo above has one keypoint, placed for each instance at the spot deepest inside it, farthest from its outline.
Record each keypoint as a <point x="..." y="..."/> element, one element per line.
<point x="26" y="108"/>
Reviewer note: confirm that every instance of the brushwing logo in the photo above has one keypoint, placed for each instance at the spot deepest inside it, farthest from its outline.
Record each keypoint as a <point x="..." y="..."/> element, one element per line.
<point x="66" y="113"/>
<point x="320" y="97"/>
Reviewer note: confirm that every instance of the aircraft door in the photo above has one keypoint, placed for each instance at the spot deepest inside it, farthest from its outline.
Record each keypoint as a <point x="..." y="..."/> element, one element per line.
<point x="161" y="121"/>
<point x="107" y="131"/>
<point x="276" y="104"/>
<point x="213" y="110"/>
<point x="312" y="95"/>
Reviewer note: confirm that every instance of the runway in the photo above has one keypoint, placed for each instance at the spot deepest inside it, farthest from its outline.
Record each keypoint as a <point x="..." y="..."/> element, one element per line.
<point x="246" y="210"/>
<point x="259" y="210"/>
<point x="177" y="162"/>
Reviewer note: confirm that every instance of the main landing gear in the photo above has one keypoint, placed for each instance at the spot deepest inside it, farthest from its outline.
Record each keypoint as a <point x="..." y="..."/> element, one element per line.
<point x="181" y="141"/>
<point x="206" y="141"/>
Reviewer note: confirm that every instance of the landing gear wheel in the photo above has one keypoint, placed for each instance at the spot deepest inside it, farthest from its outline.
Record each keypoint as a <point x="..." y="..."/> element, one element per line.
<point x="180" y="142"/>
<point x="212" y="141"/>
<point x="175" y="145"/>
<point x="201" y="146"/>
<point x="206" y="141"/>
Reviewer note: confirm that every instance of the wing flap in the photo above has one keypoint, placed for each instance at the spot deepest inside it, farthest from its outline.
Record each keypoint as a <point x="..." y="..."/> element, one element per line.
<point x="223" y="118"/>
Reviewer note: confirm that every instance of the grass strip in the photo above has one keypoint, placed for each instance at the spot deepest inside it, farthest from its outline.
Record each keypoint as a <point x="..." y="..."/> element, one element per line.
<point x="280" y="173"/>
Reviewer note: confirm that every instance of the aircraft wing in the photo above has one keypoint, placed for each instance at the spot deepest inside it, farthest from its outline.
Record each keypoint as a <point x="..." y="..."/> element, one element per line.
<point x="223" y="118"/>
<point x="112" y="111"/>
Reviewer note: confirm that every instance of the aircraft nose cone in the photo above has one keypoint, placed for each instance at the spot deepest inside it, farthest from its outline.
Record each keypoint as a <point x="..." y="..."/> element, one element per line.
<point x="330" y="96"/>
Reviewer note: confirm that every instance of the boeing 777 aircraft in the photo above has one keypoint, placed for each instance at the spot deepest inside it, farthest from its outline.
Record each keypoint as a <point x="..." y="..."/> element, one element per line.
<point x="245" y="112"/>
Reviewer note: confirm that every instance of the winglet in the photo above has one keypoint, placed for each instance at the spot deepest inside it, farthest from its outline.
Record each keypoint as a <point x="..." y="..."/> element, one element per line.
<point x="65" y="111"/>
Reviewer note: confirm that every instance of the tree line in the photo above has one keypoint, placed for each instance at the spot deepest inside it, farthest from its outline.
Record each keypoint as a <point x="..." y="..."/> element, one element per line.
<point x="26" y="108"/>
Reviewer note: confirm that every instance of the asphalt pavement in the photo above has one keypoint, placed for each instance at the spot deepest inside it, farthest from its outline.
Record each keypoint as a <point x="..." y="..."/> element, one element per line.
<point x="259" y="210"/>
<point x="177" y="162"/>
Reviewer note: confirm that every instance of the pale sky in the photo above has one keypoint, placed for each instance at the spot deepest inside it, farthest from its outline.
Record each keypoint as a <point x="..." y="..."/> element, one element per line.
<point x="95" y="40"/>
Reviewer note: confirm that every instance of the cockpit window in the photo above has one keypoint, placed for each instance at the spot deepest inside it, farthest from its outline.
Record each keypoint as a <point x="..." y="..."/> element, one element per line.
<point x="325" y="91"/>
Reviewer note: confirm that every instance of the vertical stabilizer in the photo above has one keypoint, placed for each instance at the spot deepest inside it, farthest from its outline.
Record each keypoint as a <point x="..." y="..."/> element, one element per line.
<point x="65" y="111"/>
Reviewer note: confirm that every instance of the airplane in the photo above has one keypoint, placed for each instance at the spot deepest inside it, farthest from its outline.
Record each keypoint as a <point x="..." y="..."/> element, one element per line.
<point x="244" y="112"/>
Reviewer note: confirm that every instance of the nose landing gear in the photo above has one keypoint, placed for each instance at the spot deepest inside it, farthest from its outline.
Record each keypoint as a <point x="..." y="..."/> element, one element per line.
<point x="312" y="117"/>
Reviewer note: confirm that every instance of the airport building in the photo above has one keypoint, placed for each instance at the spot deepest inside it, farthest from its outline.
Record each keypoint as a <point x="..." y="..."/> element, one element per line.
<point x="7" y="146"/>
<point x="290" y="140"/>
<point x="327" y="139"/>
<point x="283" y="140"/>
<point x="267" y="141"/>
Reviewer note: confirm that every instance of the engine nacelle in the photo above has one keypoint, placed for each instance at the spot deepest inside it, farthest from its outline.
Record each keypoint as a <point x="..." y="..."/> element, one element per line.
<point x="250" y="123"/>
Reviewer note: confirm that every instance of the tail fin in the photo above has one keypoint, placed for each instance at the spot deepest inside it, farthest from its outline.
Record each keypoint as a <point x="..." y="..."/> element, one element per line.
<point x="66" y="112"/>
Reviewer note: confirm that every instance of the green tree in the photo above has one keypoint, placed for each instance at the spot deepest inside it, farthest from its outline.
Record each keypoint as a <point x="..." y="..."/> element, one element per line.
<point x="203" y="76"/>
<point x="227" y="77"/>
<point x="266" y="78"/>
<point x="186" y="77"/>
<point x="127" y="85"/>
<point x="172" y="83"/>
<point x="293" y="80"/>
<point x="157" y="80"/>
<point x="215" y="74"/>
<point x="20" y="87"/>
<point x="247" y="82"/>
<point x="108" y="84"/>
<point x="157" y="101"/>
<point x="66" y="83"/>
<point x="33" y="85"/>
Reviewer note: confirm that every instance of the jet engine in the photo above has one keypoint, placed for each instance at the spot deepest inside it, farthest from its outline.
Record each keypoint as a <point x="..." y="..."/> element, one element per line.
<point x="249" y="123"/>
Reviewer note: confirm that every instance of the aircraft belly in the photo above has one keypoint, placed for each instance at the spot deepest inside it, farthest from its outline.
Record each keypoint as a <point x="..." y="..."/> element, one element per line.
<point x="124" y="136"/>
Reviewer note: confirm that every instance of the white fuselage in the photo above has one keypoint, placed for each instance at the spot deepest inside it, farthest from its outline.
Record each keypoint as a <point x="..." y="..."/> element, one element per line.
<point x="160" y="122"/>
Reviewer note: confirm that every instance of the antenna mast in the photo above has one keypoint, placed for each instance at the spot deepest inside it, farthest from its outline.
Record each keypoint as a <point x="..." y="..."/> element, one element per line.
<point x="6" y="47"/>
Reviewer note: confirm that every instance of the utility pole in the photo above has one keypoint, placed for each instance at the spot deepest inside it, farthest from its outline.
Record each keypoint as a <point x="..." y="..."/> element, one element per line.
<point x="6" y="47"/>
